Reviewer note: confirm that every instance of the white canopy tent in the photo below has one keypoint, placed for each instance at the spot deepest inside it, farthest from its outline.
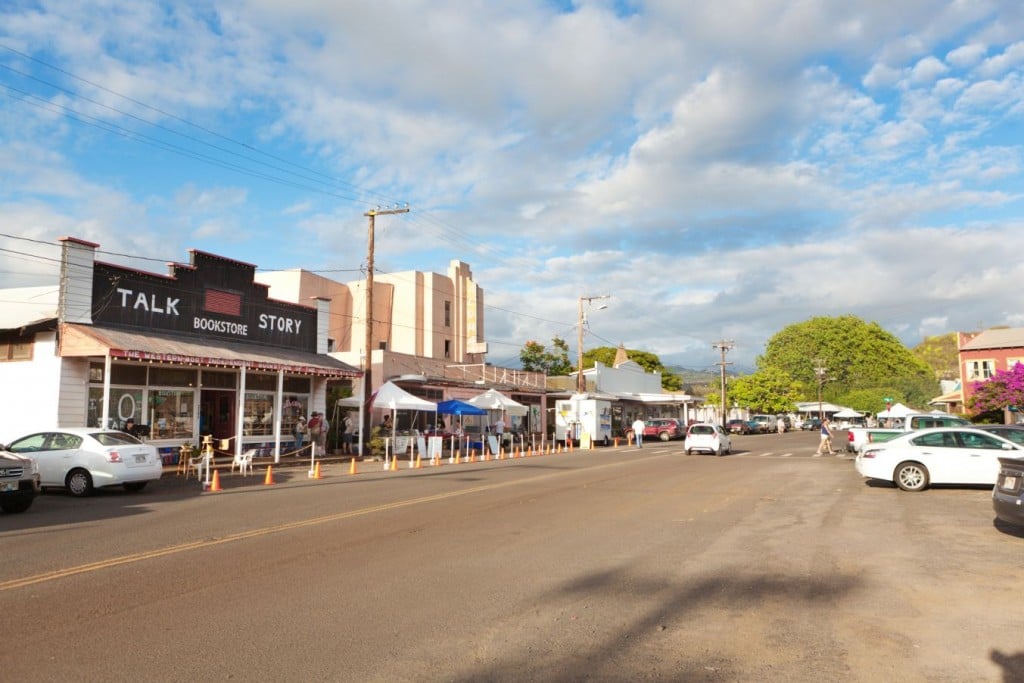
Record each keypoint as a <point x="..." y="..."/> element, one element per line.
<point x="493" y="399"/>
<point x="897" y="410"/>
<point x="848" y="413"/>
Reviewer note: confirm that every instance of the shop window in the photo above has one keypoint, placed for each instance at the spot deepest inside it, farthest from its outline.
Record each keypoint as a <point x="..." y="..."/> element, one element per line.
<point x="171" y="414"/>
<point x="16" y="349"/>
<point x="213" y="379"/>
<point x="125" y="402"/>
<point x="131" y="374"/>
<point x="258" y="414"/>
<point x="294" y="406"/>
<point x="172" y="377"/>
<point x="256" y="382"/>
<point x="296" y="385"/>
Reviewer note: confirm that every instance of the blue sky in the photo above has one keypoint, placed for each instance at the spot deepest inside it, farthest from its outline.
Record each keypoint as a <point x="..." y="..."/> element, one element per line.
<point x="722" y="169"/>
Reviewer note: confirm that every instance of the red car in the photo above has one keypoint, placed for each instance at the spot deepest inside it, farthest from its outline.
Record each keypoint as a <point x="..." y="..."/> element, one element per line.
<point x="664" y="428"/>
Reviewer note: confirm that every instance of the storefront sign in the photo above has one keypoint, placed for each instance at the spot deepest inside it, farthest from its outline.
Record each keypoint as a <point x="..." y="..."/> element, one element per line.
<point x="213" y="297"/>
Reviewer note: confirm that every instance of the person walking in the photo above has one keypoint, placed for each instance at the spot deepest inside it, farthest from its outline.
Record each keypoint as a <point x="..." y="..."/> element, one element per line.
<point x="638" y="432"/>
<point x="826" y="439"/>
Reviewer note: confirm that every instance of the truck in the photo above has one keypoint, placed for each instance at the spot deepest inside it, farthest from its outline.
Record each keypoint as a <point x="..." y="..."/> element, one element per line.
<point x="576" y="418"/>
<point x="857" y="438"/>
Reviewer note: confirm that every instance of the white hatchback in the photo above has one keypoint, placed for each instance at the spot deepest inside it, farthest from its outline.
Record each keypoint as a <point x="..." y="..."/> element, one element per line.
<point x="941" y="455"/>
<point x="81" y="459"/>
<point x="706" y="437"/>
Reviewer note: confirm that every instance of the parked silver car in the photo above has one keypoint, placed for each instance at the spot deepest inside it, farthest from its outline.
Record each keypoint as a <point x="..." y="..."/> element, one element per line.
<point x="81" y="459"/>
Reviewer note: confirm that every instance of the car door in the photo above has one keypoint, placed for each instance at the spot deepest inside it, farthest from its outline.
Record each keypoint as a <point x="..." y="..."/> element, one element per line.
<point x="941" y="453"/>
<point x="51" y="463"/>
<point x="981" y="457"/>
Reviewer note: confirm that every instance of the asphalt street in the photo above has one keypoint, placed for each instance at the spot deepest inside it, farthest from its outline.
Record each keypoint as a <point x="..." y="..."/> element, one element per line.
<point x="604" y="565"/>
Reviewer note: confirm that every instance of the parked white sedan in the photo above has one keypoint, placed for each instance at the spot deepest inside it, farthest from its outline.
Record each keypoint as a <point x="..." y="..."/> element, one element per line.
<point x="943" y="455"/>
<point x="81" y="459"/>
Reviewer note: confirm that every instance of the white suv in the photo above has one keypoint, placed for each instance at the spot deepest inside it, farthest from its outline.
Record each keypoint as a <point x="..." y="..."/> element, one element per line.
<point x="710" y="438"/>
<point x="19" y="482"/>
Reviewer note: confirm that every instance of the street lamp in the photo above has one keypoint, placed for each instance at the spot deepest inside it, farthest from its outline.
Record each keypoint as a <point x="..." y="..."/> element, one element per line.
<point x="581" y="386"/>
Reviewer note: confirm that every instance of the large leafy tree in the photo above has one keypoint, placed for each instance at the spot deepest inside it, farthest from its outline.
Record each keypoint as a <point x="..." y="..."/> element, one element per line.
<point x="650" y="362"/>
<point x="1000" y="391"/>
<point x="941" y="354"/>
<point x="535" y="357"/>
<point x="769" y="390"/>
<point x="844" y="354"/>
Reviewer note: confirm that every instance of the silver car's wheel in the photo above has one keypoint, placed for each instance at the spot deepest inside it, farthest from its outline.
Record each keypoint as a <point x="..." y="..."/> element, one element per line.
<point x="78" y="483"/>
<point x="911" y="476"/>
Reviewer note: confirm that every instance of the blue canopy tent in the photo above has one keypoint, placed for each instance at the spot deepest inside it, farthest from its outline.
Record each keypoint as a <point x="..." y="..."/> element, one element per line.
<point x="460" y="408"/>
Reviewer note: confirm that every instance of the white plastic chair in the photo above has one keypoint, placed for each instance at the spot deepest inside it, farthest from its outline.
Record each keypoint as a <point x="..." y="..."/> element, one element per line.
<point x="243" y="461"/>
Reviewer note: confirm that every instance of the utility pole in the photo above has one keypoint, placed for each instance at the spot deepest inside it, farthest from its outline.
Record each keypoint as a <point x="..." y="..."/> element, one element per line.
<point x="820" y="372"/>
<point x="581" y="385"/>
<point x="725" y="345"/>
<point x="364" y="428"/>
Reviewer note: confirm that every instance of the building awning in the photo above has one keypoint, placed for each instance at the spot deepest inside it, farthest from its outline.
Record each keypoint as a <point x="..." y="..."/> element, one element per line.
<point x="952" y="397"/>
<point x="87" y="340"/>
<point x="658" y="399"/>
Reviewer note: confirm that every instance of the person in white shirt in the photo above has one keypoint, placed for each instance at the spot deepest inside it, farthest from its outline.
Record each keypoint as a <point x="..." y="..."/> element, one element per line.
<point x="638" y="432"/>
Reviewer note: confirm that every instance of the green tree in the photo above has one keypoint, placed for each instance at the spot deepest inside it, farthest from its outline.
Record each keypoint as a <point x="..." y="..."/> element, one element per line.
<point x="852" y="355"/>
<point x="769" y="390"/>
<point x="941" y="354"/>
<point x="650" y="362"/>
<point x="536" y="358"/>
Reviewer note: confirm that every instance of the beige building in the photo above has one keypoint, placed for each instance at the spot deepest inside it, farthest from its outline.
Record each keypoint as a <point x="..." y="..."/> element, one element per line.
<point x="428" y="333"/>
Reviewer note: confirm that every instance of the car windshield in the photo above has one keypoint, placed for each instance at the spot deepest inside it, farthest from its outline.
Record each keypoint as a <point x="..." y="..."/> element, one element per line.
<point x="115" y="438"/>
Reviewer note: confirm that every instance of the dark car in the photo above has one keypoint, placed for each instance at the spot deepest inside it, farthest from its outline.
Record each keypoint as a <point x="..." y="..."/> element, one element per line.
<point x="1008" y="494"/>
<point x="739" y="427"/>
<point x="664" y="428"/>
<point x="1014" y="433"/>
<point x="811" y="424"/>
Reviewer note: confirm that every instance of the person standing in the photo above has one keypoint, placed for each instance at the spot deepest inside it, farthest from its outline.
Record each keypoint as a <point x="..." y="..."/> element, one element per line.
<point x="299" y="431"/>
<point x="826" y="438"/>
<point x="638" y="432"/>
<point x="315" y="428"/>
<point x="348" y="434"/>
<point x="499" y="429"/>
<point x="321" y="441"/>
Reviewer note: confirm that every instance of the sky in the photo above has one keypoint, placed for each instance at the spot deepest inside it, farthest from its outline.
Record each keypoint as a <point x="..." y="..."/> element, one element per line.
<point x="721" y="169"/>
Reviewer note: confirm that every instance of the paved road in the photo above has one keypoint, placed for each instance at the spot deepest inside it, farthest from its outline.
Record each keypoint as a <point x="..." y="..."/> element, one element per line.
<point x="605" y="565"/>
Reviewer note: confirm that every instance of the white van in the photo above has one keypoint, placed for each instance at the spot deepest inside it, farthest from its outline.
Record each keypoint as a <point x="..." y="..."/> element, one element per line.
<point x="769" y="423"/>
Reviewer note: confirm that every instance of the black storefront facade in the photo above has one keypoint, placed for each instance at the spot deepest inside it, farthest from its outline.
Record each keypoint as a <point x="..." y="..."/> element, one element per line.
<point x="201" y="350"/>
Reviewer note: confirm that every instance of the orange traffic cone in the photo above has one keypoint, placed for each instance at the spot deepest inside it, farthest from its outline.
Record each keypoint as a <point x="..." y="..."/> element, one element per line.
<point x="215" y="484"/>
<point x="269" y="479"/>
<point x="394" y="464"/>
<point x="616" y="442"/>
<point x="352" y="467"/>
<point x="315" y="474"/>
<point x="472" y="457"/>
<point x="419" y="463"/>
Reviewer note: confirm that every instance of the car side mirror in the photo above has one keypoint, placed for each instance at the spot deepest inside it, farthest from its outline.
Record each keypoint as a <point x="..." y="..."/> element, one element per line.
<point x="1005" y="447"/>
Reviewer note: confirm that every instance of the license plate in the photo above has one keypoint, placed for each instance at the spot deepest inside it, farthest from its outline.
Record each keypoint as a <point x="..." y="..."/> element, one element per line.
<point x="9" y="486"/>
<point x="140" y="457"/>
<point x="1009" y="483"/>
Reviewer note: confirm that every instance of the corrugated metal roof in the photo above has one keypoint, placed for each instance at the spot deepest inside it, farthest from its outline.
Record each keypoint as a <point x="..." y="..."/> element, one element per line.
<point x="1008" y="338"/>
<point x="161" y="348"/>
<point x="25" y="306"/>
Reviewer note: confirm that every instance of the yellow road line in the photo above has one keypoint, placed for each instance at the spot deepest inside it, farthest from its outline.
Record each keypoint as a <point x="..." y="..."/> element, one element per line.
<point x="265" y="531"/>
